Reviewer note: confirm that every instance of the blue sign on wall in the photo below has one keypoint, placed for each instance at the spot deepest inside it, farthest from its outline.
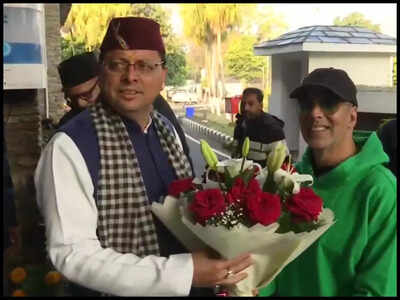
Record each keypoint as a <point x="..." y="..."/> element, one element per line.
<point x="24" y="62"/>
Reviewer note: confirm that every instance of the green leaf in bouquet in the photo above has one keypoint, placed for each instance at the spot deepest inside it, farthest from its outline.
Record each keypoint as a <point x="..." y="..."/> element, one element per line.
<point x="190" y="196"/>
<point x="269" y="185"/>
<point x="229" y="180"/>
<point x="209" y="155"/>
<point x="285" y="190"/>
<point x="304" y="226"/>
<point x="286" y="224"/>
<point x="247" y="175"/>
<point x="246" y="147"/>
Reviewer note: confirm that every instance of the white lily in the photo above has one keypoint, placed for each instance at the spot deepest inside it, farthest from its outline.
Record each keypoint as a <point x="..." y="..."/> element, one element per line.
<point x="287" y="179"/>
<point x="234" y="166"/>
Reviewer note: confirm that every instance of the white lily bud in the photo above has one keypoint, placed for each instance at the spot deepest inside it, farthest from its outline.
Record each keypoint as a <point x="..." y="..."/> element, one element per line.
<point x="276" y="157"/>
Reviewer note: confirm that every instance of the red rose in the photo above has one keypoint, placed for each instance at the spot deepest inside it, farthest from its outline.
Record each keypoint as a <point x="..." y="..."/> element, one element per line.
<point x="207" y="203"/>
<point x="180" y="186"/>
<point x="256" y="171"/>
<point x="264" y="208"/>
<point x="305" y="205"/>
<point x="253" y="187"/>
<point x="236" y="192"/>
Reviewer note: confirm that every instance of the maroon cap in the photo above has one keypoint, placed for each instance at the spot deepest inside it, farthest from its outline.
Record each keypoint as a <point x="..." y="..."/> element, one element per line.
<point x="131" y="33"/>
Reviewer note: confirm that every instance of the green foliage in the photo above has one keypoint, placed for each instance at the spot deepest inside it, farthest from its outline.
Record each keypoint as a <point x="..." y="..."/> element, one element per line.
<point x="70" y="48"/>
<point x="240" y="60"/>
<point x="356" y="19"/>
<point x="286" y="224"/>
<point x="197" y="27"/>
<point x="271" y="25"/>
<point x="207" y="25"/>
<point x="176" y="64"/>
<point x="395" y="71"/>
<point x="87" y="23"/>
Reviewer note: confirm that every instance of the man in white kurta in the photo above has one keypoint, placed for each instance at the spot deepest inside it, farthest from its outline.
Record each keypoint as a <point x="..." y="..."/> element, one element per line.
<point x="69" y="174"/>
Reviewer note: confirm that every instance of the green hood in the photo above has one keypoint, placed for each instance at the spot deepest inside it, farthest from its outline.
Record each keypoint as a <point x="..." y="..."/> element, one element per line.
<point x="371" y="154"/>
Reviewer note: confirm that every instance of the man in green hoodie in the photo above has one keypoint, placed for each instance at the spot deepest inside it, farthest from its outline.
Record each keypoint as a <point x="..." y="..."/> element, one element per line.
<point x="357" y="255"/>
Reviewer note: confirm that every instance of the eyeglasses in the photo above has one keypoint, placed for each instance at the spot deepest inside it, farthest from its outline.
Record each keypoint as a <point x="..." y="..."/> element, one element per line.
<point x="141" y="67"/>
<point x="85" y="95"/>
<point x="328" y="105"/>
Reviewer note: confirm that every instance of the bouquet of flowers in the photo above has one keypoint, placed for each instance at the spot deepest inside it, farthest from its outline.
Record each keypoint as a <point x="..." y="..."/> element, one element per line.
<point x="240" y="207"/>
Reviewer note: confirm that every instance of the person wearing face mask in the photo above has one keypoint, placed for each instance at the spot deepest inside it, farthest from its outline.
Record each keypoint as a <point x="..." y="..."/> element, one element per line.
<point x="357" y="255"/>
<point x="99" y="174"/>
<point x="263" y="129"/>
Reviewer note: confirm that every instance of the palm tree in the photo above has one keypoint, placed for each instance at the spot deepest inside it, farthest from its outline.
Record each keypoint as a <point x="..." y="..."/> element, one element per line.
<point x="199" y="31"/>
<point x="221" y="17"/>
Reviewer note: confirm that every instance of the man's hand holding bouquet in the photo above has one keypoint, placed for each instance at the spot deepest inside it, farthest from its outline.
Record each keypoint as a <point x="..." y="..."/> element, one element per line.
<point x="239" y="207"/>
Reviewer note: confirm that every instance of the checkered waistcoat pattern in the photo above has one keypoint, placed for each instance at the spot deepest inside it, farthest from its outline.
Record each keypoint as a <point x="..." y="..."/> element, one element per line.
<point x="125" y="221"/>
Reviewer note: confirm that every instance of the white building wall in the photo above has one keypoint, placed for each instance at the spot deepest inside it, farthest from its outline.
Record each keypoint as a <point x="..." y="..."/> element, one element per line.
<point x="378" y="100"/>
<point x="288" y="70"/>
<point x="275" y="106"/>
<point x="372" y="69"/>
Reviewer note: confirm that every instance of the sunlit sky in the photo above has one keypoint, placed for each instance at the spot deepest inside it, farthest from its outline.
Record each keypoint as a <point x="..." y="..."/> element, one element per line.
<point x="298" y="15"/>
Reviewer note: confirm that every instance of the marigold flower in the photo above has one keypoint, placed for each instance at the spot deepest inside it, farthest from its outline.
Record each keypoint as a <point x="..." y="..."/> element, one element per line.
<point x="18" y="293"/>
<point x="52" y="278"/>
<point x="18" y="275"/>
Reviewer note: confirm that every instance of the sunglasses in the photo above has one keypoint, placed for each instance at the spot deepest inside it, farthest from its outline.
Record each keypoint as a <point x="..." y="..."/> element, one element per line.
<point x="327" y="105"/>
<point x="85" y="95"/>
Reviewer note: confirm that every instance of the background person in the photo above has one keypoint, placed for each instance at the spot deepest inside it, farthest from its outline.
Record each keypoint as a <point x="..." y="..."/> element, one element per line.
<point x="263" y="129"/>
<point x="99" y="174"/>
<point x="357" y="255"/>
<point x="79" y="79"/>
<point x="388" y="136"/>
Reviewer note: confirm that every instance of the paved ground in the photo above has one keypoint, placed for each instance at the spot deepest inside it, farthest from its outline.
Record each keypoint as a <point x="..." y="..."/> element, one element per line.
<point x="194" y="133"/>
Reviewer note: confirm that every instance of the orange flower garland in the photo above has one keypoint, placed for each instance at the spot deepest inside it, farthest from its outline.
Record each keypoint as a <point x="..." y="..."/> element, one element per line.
<point x="18" y="275"/>
<point x="52" y="278"/>
<point x="18" y="293"/>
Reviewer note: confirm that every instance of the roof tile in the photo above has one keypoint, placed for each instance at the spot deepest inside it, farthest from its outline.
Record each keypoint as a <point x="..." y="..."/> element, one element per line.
<point x="329" y="34"/>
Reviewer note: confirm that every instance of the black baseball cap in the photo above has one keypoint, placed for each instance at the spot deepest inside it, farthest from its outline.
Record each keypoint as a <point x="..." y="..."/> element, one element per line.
<point x="78" y="69"/>
<point x="335" y="80"/>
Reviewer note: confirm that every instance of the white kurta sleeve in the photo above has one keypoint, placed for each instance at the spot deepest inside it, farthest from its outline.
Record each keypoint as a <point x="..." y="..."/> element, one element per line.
<point x="65" y="199"/>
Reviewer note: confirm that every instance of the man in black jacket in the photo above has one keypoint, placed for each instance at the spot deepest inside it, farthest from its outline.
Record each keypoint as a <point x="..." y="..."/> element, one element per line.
<point x="264" y="130"/>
